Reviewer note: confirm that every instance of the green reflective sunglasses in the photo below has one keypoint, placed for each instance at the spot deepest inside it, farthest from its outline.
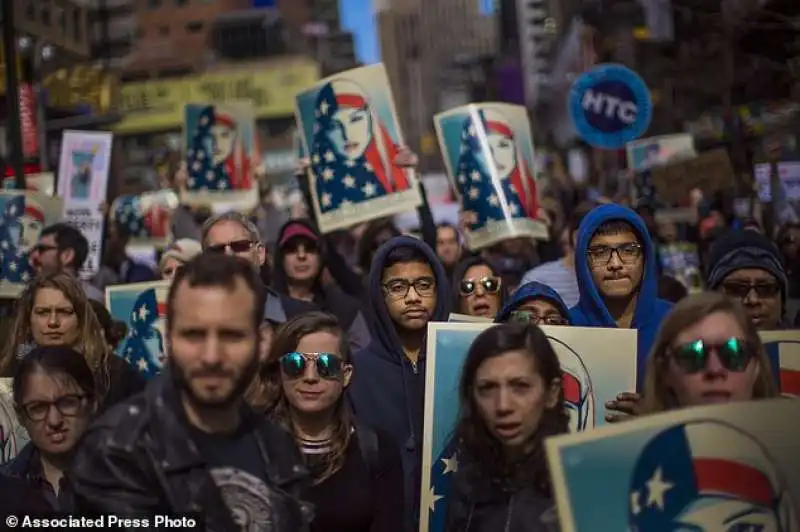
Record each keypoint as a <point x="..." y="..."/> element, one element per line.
<point x="328" y="365"/>
<point x="734" y="354"/>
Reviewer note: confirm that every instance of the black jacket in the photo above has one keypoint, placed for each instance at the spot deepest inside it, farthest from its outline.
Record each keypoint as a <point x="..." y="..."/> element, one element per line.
<point x="27" y="466"/>
<point x="475" y="506"/>
<point x="138" y="459"/>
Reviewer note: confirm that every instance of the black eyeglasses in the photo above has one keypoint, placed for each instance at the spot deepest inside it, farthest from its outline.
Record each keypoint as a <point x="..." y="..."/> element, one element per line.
<point x="491" y="285"/>
<point x="734" y="355"/>
<point x="66" y="405"/>
<point x="237" y="246"/>
<point x="742" y="289"/>
<point x="43" y="248"/>
<point x="328" y="365"/>
<point x="399" y="288"/>
<point x="526" y="316"/>
<point x="627" y="253"/>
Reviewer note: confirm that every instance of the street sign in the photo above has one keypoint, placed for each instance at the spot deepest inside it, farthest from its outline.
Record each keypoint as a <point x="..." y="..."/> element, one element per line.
<point x="610" y="106"/>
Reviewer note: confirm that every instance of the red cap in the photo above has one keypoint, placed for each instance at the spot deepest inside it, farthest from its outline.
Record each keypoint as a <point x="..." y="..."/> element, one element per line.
<point x="297" y="230"/>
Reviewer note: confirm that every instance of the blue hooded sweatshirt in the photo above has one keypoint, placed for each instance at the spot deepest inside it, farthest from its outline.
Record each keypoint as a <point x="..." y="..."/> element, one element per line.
<point x="591" y="310"/>
<point x="386" y="391"/>
<point x="526" y="292"/>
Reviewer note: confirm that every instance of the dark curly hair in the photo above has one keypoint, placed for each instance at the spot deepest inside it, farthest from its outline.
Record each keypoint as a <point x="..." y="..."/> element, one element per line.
<point x="480" y="451"/>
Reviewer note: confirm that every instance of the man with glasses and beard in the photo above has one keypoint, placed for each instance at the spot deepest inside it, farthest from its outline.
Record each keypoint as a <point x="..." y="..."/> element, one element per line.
<point x="189" y="443"/>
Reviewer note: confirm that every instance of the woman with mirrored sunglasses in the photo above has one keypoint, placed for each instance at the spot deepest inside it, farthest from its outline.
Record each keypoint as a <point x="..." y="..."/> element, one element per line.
<point x="478" y="288"/>
<point x="357" y="472"/>
<point x="707" y="352"/>
<point x="55" y="399"/>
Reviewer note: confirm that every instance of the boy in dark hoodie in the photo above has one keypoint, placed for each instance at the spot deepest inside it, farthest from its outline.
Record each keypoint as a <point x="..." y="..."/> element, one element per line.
<point x="537" y="303"/>
<point x="408" y="288"/>
<point x="617" y="279"/>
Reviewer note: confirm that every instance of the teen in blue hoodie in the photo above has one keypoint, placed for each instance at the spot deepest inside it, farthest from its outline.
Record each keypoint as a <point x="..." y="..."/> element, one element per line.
<point x="538" y="302"/>
<point x="617" y="277"/>
<point x="407" y="288"/>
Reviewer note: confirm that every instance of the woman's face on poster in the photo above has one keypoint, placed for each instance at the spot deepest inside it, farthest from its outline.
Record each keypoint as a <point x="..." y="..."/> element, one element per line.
<point x="223" y="139"/>
<point x="31" y="228"/>
<point x="503" y="153"/>
<point x="351" y="132"/>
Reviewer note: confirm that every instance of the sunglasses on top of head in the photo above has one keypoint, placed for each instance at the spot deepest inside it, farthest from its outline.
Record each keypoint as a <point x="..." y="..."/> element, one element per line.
<point x="734" y="354"/>
<point x="491" y="285"/>
<point x="237" y="246"/>
<point x="328" y="365"/>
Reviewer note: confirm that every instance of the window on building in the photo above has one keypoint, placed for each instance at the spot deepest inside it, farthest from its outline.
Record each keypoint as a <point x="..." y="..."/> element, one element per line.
<point x="163" y="30"/>
<point x="194" y="27"/>
<point x="154" y="4"/>
<point x="181" y="3"/>
<point x="77" y="25"/>
<point x="61" y="17"/>
<point x="30" y="11"/>
<point x="45" y="16"/>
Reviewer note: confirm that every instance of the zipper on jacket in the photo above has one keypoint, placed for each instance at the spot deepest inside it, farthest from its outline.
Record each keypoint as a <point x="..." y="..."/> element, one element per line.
<point x="507" y="528"/>
<point x="414" y="367"/>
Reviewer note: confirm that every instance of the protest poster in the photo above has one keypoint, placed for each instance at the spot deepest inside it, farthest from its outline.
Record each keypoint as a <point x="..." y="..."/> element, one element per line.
<point x="597" y="364"/>
<point x="44" y="182"/>
<point x="656" y="151"/>
<point x="142" y="307"/>
<point x="710" y="171"/>
<point x="489" y="155"/>
<point x="783" y="349"/>
<point x="350" y="131"/>
<point x="23" y="215"/>
<point x="221" y="155"/>
<point x="146" y="218"/>
<point x="465" y="318"/>
<point x="83" y="170"/>
<point x="721" y="468"/>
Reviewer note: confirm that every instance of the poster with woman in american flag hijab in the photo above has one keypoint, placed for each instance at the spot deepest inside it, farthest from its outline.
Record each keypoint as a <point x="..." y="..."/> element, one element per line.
<point x="221" y="155"/>
<point x="488" y="152"/>
<point x="349" y="129"/>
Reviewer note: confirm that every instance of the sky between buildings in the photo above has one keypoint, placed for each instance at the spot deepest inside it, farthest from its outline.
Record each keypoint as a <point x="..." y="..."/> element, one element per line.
<point x="357" y="17"/>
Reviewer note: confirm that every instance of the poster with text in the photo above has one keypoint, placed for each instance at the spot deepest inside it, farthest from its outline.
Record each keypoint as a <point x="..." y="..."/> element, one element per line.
<point x="489" y="155"/>
<point x="44" y="182"/>
<point x="143" y="308"/>
<point x="221" y="155"/>
<point x="23" y="215"/>
<point x="350" y="131"/>
<point x="597" y="364"/>
<point x="82" y="182"/>
<point x="146" y="219"/>
<point x="728" y="468"/>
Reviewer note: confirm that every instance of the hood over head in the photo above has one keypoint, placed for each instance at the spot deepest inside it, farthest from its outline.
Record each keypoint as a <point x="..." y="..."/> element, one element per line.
<point x="591" y="303"/>
<point x="527" y="292"/>
<point x="381" y="325"/>
<point x="291" y="229"/>
<point x="461" y="268"/>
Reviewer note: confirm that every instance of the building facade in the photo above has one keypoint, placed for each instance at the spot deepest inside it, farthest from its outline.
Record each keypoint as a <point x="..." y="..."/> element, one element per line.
<point x="428" y="47"/>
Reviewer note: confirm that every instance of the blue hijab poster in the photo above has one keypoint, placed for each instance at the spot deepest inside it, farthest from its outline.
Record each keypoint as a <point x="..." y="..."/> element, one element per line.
<point x="728" y="468"/>
<point x="146" y="218"/>
<point x="489" y="155"/>
<point x="349" y="129"/>
<point x="142" y="307"/>
<point x="23" y="215"/>
<point x="221" y="155"/>
<point x="597" y="364"/>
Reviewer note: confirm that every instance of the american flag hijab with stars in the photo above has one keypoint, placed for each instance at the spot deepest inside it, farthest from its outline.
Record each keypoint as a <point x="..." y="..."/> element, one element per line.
<point x="474" y="177"/>
<point x="343" y="179"/>
<point x="14" y="264"/>
<point x="144" y="347"/>
<point x="132" y="220"/>
<point x="234" y="173"/>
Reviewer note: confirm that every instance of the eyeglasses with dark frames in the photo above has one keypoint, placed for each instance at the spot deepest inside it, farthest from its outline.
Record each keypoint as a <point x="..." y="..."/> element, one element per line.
<point x="237" y="246"/>
<point x="399" y="288"/>
<point x="69" y="405"/>
<point x="627" y="253"/>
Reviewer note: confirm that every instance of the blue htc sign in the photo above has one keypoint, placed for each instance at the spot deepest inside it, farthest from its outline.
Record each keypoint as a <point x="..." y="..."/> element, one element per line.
<point x="610" y="106"/>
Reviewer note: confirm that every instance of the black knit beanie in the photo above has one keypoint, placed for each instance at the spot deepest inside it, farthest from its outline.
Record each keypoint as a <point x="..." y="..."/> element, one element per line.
<point x="737" y="250"/>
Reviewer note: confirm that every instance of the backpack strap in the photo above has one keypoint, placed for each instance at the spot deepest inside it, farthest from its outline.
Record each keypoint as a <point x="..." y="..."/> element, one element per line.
<point x="368" y="442"/>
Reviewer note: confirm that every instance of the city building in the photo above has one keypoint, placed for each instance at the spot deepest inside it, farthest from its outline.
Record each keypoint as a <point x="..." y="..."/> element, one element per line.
<point x="113" y="27"/>
<point x="430" y="48"/>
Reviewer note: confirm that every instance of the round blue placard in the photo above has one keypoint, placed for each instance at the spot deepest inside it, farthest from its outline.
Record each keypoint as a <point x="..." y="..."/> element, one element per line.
<point x="610" y="106"/>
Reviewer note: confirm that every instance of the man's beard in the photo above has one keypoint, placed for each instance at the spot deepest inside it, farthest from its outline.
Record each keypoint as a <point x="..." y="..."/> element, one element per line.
<point x="241" y="383"/>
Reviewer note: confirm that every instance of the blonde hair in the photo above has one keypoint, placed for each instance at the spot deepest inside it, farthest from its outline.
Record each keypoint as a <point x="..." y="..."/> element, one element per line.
<point x="90" y="342"/>
<point x="689" y="311"/>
